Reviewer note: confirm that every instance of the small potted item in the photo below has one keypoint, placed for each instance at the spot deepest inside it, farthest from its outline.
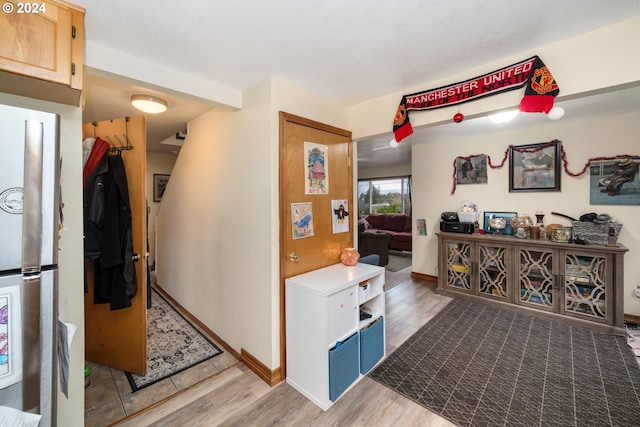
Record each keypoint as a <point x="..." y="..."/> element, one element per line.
<point x="561" y="235"/>
<point x="521" y="225"/>
<point x="612" y="238"/>
<point x="350" y="256"/>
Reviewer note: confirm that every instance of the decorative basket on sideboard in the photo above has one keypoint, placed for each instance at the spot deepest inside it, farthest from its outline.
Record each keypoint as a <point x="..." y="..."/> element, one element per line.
<point x="595" y="233"/>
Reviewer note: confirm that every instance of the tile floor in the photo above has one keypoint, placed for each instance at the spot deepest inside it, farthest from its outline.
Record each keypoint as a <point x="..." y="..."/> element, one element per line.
<point x="109" y="398"/>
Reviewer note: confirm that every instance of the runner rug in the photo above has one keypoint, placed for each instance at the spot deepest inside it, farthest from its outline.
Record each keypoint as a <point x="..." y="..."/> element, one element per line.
<point x="477" y="365"/>
<point x="173" y="345"/>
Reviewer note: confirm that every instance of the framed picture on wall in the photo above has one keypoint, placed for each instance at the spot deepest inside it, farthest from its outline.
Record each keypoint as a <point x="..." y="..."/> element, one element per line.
<point x="159" y="184"/>
<point x="535" y="167"/>
<point x="615" y="182"/>
<point x="471" y="170"/>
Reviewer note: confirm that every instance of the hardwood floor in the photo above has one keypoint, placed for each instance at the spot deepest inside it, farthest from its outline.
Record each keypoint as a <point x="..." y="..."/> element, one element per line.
<point x="237" y="397"/>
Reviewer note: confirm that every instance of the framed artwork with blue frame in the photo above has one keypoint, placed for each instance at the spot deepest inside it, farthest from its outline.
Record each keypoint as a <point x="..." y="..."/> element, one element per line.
<point x="488" y="216"/>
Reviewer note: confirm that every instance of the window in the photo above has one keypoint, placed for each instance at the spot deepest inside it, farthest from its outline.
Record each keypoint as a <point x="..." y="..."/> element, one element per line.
<point x="385" y="195"/>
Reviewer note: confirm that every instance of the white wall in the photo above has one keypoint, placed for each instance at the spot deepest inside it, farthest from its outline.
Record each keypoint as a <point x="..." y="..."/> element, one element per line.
<point x="218" y="225"/>
<point x="599" y="136"/>
<point x="157" y="163"/>
<point x="71" y="256"/>
<point x="213" y="226"/>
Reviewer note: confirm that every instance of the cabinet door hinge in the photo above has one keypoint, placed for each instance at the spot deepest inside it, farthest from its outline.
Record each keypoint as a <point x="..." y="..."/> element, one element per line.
<point x="73" y="31"/>
<point x="73" y="69"/>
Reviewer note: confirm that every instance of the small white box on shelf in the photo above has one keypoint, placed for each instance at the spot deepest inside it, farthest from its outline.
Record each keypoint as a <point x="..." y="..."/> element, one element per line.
<point x="365" y="291"/>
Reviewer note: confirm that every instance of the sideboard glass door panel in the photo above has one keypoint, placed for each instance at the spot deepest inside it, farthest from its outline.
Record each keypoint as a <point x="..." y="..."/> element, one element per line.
<point x="459" y="265"/>
<point x="537" y="279"/>
<point x="585" y="285"/>
<point x="493" y="273"/>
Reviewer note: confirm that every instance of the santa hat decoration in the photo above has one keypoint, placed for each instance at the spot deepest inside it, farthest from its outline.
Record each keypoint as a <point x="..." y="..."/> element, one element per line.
<point x="541" y="90"/>
<point x="401" y="125"/>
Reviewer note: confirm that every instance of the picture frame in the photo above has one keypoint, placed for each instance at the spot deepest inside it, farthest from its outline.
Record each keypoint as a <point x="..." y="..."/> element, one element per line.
<point x="506" y="215"/>
<point x="615" y="181"/>
<point x="471" y="170"/>
<point x="159" y="185"/>
<point x="421" y="225"/>
<point x="182" y="135"/>
<point x="535" y="167"/>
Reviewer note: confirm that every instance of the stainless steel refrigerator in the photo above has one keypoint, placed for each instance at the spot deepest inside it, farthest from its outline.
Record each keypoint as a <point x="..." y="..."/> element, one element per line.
<point x="29" y="217"/>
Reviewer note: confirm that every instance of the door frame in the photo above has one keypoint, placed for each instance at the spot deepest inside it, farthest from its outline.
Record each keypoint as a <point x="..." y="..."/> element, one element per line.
<point x="284" y="119"/>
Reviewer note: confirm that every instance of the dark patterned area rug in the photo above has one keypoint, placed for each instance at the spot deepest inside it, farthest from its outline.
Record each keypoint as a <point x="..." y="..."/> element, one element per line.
<point x="477" y="365"/>
<point x="173" y="345"/>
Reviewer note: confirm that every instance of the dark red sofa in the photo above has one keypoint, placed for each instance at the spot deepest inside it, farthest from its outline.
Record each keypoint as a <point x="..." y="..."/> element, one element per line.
<point x="398" y="226"/>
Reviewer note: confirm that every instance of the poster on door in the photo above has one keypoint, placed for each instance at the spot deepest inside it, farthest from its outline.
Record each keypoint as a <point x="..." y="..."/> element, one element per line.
<point x="10" y="336"/>
<point x="340" y="216"/>
<point x="301" y="220"/>
<point x="316" y="165"/>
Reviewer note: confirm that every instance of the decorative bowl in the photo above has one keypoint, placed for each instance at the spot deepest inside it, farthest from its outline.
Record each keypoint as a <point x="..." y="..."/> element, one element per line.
<point x="497" y="224"/>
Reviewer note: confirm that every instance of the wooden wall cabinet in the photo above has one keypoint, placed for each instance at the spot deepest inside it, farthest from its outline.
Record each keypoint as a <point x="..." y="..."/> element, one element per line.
<point x="330" y="345"/>
<point x="582" y="285"/>
<point x="41" y="50"/>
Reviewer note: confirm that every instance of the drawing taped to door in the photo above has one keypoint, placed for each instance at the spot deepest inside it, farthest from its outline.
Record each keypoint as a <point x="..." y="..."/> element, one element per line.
<point x="317" y="167"/>
<point x="302" y="220"/>
<point x="340" y="222"/>
<point x="10" y="336"/>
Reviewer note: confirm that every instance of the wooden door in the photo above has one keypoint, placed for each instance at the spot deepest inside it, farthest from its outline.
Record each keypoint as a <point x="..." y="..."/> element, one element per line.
<point x="301" y="254"/>
<point x="119" y="338"/>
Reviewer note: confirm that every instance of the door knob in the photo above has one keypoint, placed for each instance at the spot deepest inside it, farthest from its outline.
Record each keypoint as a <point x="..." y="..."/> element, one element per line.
<point x="294" y="257"/>
<point x="135" y="257"/>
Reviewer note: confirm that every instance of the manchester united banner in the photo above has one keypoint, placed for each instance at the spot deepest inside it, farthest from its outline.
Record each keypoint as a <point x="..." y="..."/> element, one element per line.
<point x="539" y="95"/>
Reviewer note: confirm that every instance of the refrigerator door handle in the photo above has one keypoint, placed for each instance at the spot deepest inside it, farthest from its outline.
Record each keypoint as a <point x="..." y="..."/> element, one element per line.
<point x="31" y="288"/>
<point x="32" y="197"/>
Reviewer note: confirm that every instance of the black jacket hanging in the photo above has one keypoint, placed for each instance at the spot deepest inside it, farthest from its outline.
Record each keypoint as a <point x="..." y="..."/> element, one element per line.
<point x="115" y="276"/>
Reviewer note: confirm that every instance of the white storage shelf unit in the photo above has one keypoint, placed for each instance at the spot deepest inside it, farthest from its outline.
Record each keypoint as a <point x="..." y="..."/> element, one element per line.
<point x="323" y="312"/>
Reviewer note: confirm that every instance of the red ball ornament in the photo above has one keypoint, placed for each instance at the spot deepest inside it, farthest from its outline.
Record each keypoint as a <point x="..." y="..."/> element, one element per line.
<point x="458" y="117"/>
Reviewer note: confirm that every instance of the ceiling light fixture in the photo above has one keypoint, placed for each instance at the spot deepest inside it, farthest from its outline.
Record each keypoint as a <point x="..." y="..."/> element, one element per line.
<point x="503" y="117"/>
<point x="149" y="104"/>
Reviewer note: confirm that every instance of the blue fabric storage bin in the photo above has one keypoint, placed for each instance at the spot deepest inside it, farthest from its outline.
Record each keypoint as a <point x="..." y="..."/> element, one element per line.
<point x="343" y="366"/>
<point x="371" y="345"/>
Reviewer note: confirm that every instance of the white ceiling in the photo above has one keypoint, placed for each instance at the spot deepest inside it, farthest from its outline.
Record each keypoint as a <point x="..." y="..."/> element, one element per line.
<point x="348" y="51"/>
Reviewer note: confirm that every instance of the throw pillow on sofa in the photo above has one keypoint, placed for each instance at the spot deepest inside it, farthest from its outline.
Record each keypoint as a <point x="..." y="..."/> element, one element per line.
<point x="364" y="223"/>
